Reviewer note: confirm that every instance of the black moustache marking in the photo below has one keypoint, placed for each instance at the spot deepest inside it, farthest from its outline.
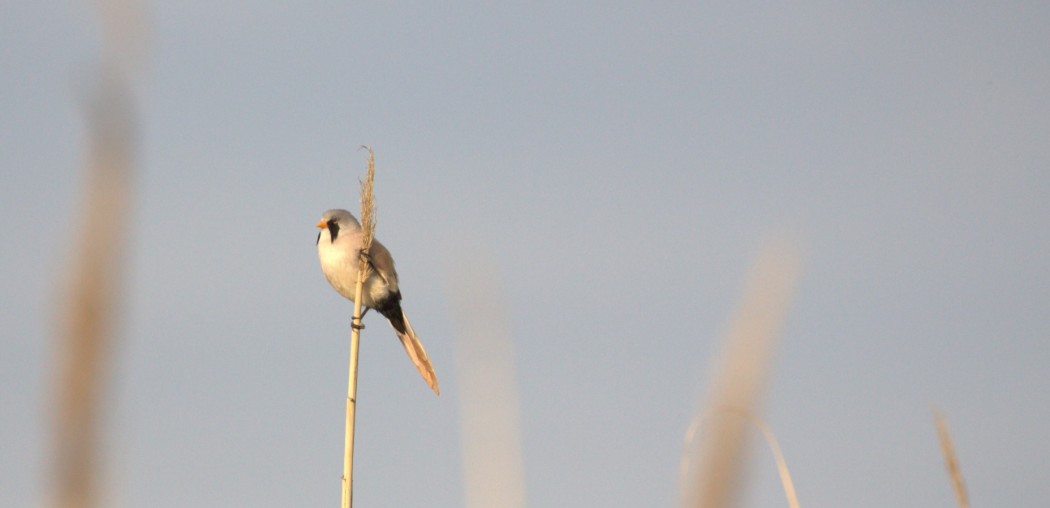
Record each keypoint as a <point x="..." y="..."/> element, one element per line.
<point x="334" y="229"/>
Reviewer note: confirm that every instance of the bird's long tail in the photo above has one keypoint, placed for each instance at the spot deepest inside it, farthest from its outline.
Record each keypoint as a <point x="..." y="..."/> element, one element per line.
<point x="415" y="351"/>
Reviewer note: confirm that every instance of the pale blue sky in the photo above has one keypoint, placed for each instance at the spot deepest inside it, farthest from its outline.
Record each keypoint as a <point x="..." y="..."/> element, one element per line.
<point x="622" y="163"/>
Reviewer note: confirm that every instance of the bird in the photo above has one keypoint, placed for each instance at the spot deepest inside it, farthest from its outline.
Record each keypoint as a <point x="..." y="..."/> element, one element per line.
<point x="339" y="248"/>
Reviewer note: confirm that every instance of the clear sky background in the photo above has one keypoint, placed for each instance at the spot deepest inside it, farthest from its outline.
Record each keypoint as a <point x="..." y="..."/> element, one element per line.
<point x="616" y="166"/>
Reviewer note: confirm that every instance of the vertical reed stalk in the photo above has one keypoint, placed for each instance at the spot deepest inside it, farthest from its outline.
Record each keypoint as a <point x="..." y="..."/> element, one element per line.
<point x="367" y="233"/>
<point x="91" y="289"/>
<point x="93" y="294"/>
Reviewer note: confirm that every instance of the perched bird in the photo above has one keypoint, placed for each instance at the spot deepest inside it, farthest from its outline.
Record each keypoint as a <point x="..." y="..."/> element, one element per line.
<point x="339" y="247"/>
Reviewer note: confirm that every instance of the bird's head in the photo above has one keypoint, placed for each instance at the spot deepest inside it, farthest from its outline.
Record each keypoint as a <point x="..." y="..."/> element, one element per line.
<point x="334" y="220"/>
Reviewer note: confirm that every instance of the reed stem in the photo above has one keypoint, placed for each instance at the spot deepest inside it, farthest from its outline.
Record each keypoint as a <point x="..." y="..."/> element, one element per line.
<point x="368" y="232"/>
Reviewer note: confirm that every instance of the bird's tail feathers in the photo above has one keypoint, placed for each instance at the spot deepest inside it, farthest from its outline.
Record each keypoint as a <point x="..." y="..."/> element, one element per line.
<point x="416" y="352"/>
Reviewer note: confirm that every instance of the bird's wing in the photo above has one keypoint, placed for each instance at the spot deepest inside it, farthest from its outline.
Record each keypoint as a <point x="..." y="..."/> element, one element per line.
<point x="383" y="264"/>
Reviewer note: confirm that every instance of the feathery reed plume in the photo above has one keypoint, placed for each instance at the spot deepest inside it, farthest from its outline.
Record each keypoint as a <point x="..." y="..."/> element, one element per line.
<point x="368" y="233"/>
<point x="92" y="291"/>
<point x="490" y="422"/>
<point x="368" y="210"/>
<point x="951" y="461"/>
<point x="740" y="377"/>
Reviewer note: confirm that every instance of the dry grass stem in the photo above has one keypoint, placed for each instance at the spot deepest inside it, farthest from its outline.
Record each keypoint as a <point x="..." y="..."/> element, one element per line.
<point x="951" y="461"/>
<point x="368" y="233"/>
<point x="782" y="468"/>
<point x="771" y="441"/>
<point x="740" y="378"/>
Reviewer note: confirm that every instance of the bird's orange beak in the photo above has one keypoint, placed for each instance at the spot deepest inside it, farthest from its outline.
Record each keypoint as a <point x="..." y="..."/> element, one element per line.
<point x="321" y="224"/>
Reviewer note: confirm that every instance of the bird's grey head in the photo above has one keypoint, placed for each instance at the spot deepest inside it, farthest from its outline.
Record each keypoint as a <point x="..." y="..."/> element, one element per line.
<point x="334" y="220"/>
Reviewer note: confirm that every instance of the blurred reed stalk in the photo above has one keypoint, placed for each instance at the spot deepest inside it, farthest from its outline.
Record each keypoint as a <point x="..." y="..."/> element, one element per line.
<point x="91" y="291"/>
<point x="368" y="226"/>
<point x="740" y="379"/>
<point x="92" y="300"/>
<point x="490" y="423"/>
<point x="951" y="461"/>
<point x="771" y="441"/>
